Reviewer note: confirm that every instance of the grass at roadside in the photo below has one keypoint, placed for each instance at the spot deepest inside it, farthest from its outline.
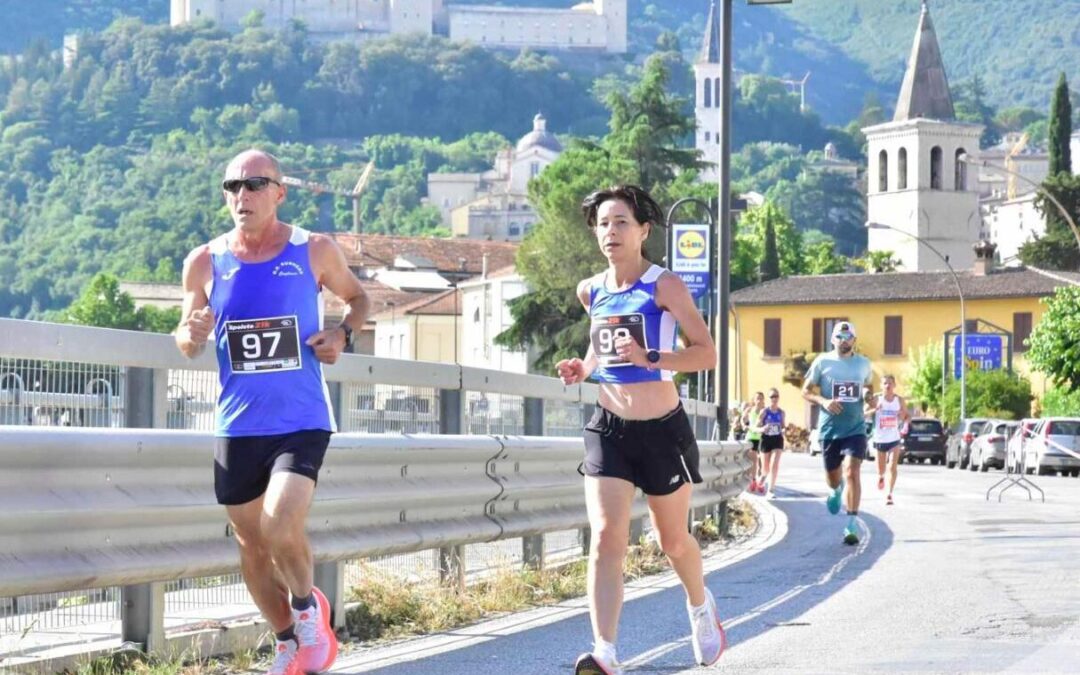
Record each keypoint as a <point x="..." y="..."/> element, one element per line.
<point x="383" y="606"/>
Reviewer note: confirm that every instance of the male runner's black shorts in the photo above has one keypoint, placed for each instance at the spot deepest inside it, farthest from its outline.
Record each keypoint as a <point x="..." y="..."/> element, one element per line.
<point x="755" y="444"/>
<point x="243" y="464"/>
<point x="772" y="442"/>
<point x="835" y="449"/>
<point x="656" y="455"/>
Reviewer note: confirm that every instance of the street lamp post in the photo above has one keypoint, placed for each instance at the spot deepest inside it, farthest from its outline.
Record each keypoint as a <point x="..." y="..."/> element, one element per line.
<point x="963" y="313"/>
<point x="967" y="159"/>
<point x="723" y="171"/>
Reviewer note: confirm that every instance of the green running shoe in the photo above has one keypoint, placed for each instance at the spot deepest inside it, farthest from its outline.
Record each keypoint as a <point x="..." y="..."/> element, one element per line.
<point x="833" y="501"/>
<point x="851" y="536"/>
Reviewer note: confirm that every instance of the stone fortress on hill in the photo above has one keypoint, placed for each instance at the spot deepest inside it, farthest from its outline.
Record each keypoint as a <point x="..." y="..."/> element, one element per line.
<point x="595" y="26"/>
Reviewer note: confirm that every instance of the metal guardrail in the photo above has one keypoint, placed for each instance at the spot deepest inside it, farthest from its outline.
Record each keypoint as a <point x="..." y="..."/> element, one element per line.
<point x="87" y="508"/>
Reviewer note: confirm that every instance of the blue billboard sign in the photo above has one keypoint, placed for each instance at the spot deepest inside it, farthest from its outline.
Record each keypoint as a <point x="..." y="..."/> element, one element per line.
<point x="691" y="252"/>
<point x="983" y="353"/>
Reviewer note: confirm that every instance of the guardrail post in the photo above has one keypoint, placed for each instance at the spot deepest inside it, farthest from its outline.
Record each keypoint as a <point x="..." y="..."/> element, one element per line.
<point x="532" y="551"/>
<point x="142" y="616"/>
<point x="637" y="528"/>
<point x="452" y="566"/>
<point x="139" y="401"/>
<point x="451" y="558"/>
<point x="534" y="417"/>
<point x="586" y="536"/>
<point x="337" y="404"/>
<point x="450" y="411"/>
<point x="330" y="578"/>
<point x="722" y="520"/>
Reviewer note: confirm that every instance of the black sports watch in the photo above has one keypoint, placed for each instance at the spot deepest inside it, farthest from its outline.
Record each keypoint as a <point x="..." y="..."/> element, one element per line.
<point x="653" y="356"/>
<point x="348" y="333"/>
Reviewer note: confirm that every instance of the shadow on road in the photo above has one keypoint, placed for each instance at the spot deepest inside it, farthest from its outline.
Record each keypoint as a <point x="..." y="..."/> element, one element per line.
<point x="772" y="590"/>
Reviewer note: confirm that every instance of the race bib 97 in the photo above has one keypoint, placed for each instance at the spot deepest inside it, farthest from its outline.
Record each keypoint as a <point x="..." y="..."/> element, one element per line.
<point x="846" y="392"/>
<point x="606" y="330"/>
<point x="261" y="345"/>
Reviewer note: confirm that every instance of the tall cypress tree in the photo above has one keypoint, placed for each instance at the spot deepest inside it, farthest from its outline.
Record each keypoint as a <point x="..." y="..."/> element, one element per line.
<point x="1060" y="128"/>
<point x="770" y="260"/>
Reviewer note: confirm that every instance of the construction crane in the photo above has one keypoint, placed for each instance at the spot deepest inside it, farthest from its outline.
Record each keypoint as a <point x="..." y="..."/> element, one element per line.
<point x="354" y="194"/>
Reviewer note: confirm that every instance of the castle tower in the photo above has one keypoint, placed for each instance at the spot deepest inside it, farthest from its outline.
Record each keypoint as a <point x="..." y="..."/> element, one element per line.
<point x="412" y="16"/>
<point x="707" y="95"/>
<point x="614" y="14"/>
<point x="916" y="182"/>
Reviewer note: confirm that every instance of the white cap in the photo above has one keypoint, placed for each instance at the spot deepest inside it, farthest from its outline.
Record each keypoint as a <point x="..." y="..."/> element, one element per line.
<point x="843" y="327"/>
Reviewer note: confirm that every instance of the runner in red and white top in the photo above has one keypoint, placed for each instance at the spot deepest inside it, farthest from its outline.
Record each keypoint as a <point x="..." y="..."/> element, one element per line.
<point x="890" y="417"/>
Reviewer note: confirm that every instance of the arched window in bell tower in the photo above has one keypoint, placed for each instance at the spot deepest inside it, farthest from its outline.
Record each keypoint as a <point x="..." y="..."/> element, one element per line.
<point x="883" y="171"/>
<point x="901" y="169"/>
<point x="935" y="168"/>
<point x="960" y="172"/>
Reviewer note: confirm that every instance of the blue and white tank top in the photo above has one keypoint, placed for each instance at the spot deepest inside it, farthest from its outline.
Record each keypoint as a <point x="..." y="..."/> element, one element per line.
<point x="632" y="312"/>
<point x="772" y="422"/>
<point x="271" y="382"/>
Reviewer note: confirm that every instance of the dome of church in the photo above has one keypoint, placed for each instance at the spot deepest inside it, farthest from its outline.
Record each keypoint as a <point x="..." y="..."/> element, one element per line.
<point x="539" y="136"/>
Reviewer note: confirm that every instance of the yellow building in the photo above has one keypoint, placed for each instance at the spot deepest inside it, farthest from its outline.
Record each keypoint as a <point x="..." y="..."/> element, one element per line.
<point x="777" y="327"/>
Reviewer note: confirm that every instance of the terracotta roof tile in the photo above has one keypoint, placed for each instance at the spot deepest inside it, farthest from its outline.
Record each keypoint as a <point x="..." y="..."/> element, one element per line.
<point x="380" y="250"/>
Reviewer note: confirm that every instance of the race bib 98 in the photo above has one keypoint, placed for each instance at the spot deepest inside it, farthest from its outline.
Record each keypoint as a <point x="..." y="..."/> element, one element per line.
<point x="846" y="392"/>
<point x="606" y="330"/>
<point x="260" y="345"/>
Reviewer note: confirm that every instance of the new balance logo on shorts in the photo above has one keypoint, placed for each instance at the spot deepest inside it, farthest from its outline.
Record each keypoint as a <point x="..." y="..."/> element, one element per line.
<point x="674" y="479"/>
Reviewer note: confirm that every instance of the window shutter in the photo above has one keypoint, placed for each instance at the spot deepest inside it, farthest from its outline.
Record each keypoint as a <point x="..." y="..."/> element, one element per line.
<point x="817" y="340"/>
<point x="772" y="337"/>
<point x="894" y="335"/>
<point x="1021" y="330"/>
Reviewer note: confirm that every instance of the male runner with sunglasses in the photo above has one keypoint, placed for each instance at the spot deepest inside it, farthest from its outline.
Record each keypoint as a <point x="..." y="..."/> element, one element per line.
<point x="256" y="291"/>
<point x="839" y="376"/>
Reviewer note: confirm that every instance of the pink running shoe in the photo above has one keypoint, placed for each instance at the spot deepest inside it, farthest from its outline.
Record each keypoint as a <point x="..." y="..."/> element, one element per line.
<point x="753" y="489"/>
<point x="318" y="644"/>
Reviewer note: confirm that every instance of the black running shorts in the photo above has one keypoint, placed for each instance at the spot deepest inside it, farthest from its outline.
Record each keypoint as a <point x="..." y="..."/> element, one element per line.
<point x="656" y="455"/>
<point x="772" y="442"/>
<point x="243" y="464"/>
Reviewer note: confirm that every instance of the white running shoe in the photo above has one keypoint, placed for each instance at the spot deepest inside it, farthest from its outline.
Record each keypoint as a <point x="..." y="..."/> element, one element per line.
<point x="707" y="634"/>
<point x="285" y="661"/>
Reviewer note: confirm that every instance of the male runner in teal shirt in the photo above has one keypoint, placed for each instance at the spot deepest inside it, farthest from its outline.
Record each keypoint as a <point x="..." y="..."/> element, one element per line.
<point x="835" y="382"/>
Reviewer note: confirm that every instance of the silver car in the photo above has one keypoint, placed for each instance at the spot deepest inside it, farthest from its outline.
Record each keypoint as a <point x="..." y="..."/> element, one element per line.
<point x="1055" y="446"/>
<point x="988" y="448"/>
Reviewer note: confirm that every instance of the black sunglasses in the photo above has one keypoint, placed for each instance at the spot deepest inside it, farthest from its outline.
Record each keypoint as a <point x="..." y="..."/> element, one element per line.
<point x="253" y="184"/>
<point x="776" y="396"/>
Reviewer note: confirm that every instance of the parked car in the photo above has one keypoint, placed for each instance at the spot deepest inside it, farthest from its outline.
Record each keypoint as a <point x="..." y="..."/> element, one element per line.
<point x="1014" y="449"/>
<point x="925" y="440"/>
<point x="1045" y="450"/>
<point x="988" y="447"/>
<point x="958" y="447"/>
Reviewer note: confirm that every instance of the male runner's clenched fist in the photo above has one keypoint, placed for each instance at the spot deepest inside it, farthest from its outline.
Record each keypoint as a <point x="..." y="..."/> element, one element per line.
<point x="200" y="324"/>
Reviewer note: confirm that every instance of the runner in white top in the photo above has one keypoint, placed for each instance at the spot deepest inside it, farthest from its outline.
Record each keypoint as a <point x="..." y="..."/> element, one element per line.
<point x="890" y="416"/>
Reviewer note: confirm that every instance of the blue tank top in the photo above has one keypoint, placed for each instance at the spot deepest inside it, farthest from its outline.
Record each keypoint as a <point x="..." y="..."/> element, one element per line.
<point x="271" y="382"/>
<point x="773" y="422"/>
<point x="632" y="312"/>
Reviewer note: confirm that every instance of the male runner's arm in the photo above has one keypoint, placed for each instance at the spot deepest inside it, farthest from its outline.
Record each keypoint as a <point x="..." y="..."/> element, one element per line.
<point x="332" y="271"/>
<point x="810" y="391"/>
<point x="196" y="318"/>
<point x="699" y="353"/>
<point x="572" y="371"/>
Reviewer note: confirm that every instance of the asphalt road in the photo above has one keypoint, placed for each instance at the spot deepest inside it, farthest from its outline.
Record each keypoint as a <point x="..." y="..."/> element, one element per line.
<point x="943" y="581"/>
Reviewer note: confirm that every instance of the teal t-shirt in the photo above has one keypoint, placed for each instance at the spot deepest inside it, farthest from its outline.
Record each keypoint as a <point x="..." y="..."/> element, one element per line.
<point x="842" y="379"/>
